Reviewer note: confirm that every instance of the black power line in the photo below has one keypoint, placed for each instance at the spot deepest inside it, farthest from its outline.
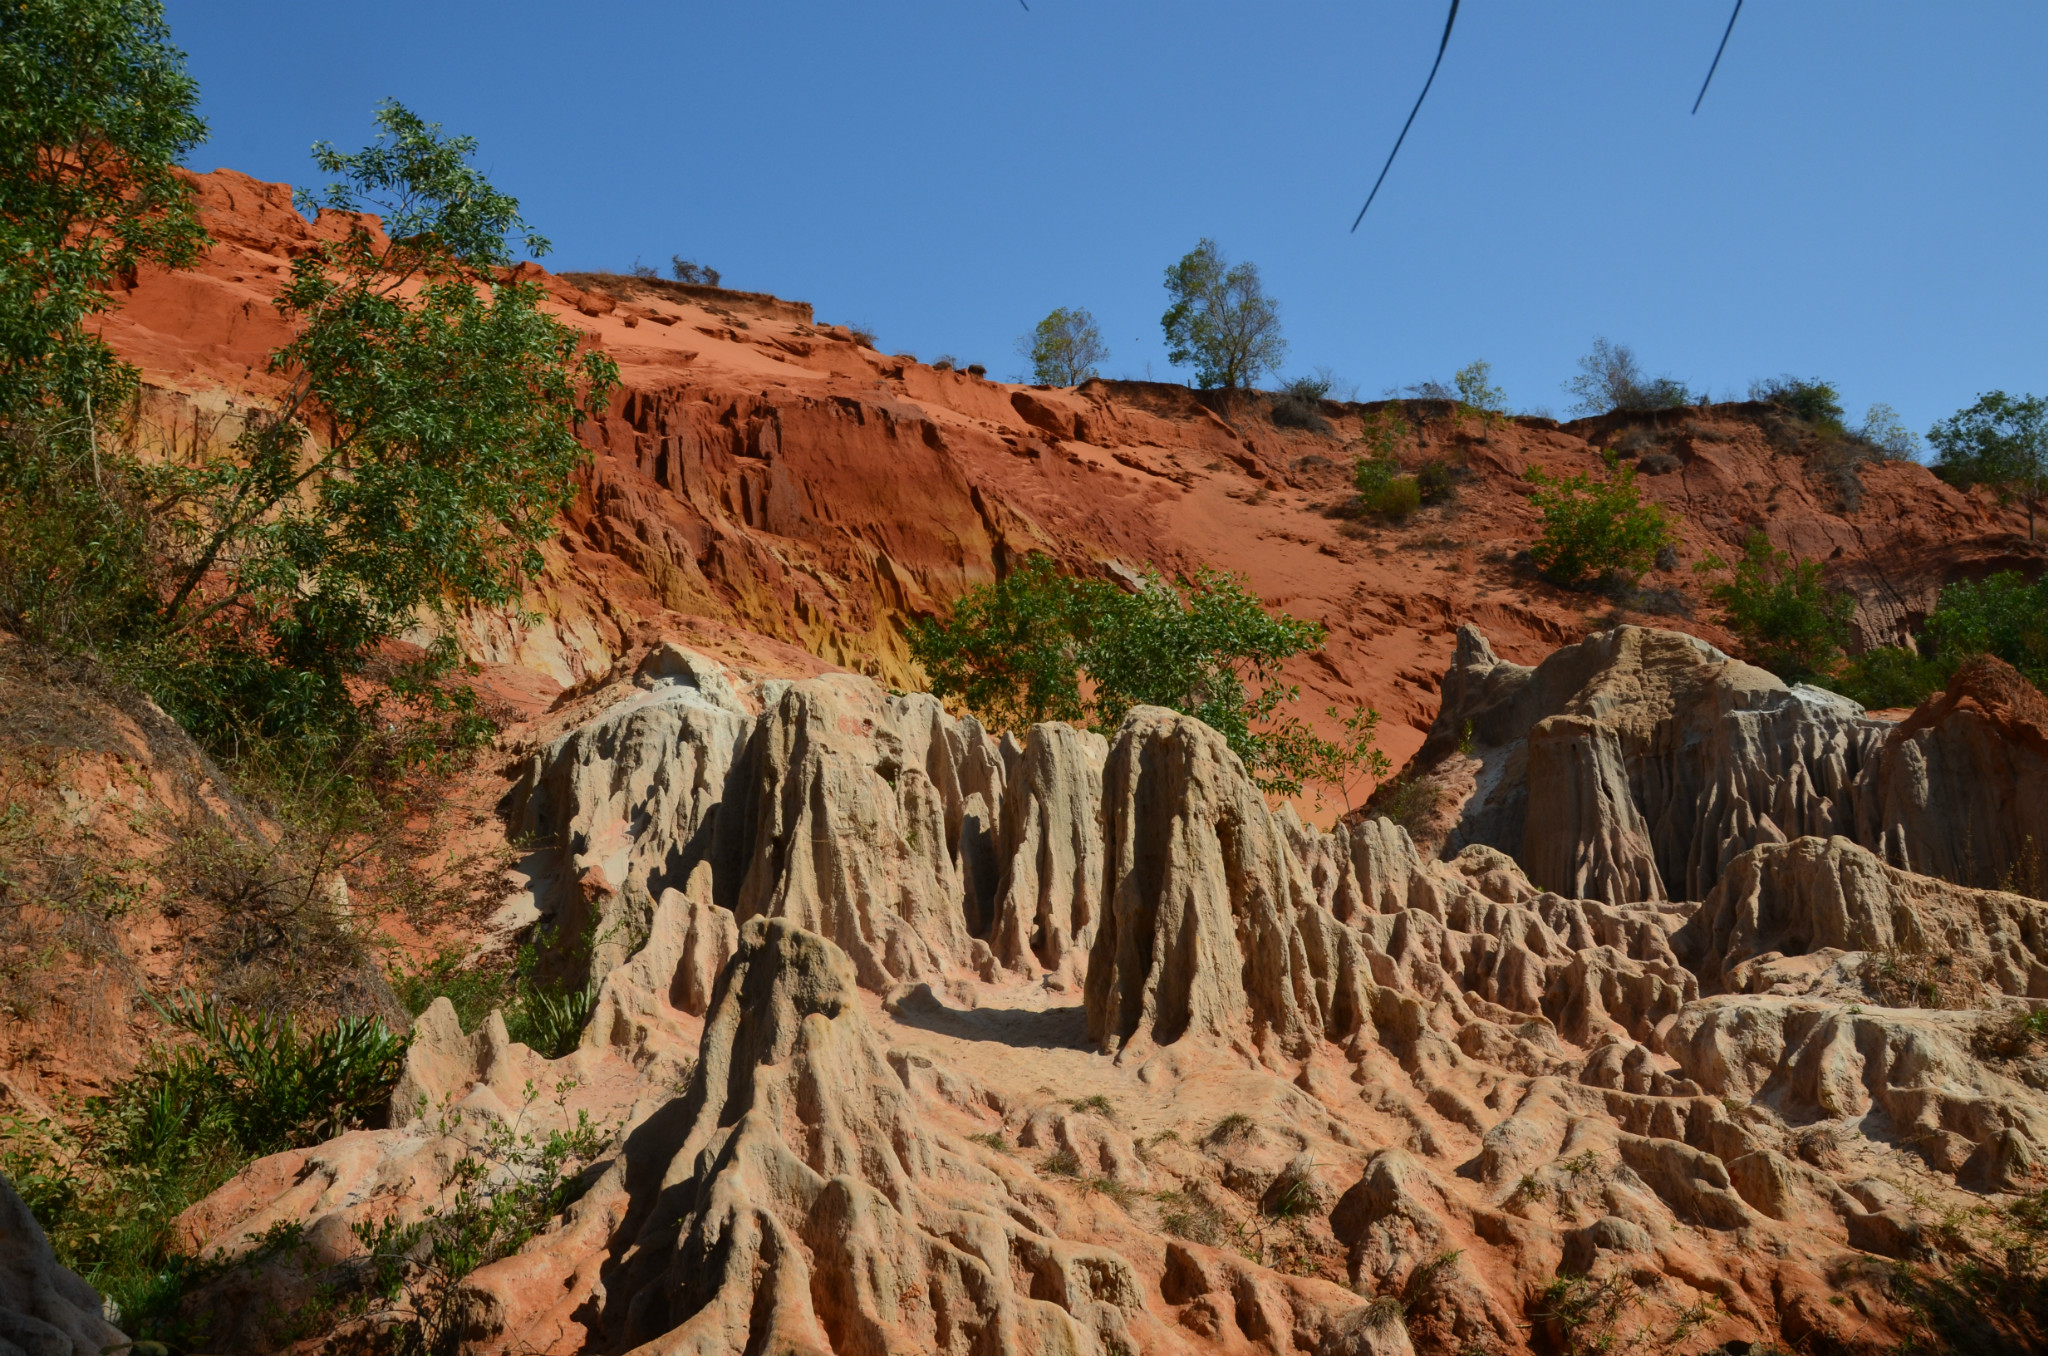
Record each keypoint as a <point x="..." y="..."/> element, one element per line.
<point x="1411" y="115"/>
<point x="1717" y="55"/>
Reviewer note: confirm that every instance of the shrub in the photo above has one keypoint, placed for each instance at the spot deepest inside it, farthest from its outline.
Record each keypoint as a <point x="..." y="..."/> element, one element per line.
<point x="1810" y="400"/>
<point x="1436" y="482"/>
<point x="503" y="1189"/>
<point x="1065" y="349"/>
<point x="1991" y="1294"/>
<point x="1012" y="648"/>
<point x="1476" y="391"/>
<point x="1883" y="430"/>
<point x="1610" y="378"/>
<point x="1790" y="621"/>
<point x="862" y="335"/>
<point x="686" y="272"/>
<point x="2003" y="615"/>
<point x="1595" y="527"/>
<point x="1889" y="675"/>
<point x="1300" y="403"/>
<point x="1062" y="1162"/>
<point x="1386" y="430"/>
<point x="1204" y="646"/>
<point x="1300" y="757"/>
<point x="108" y="1190"/>
<point x="1191" y="1218"/>
<point x="554" y="1019"/>
<point x="1659" y="464"/>
<point x="547" y="1016"/>
<point x="273" y="1085"/>
<point x="2014" y="1034"/>
<point x="1383" y="489"/>
<point x="1470" y="388"/>
<point x="1220" y="320"/>
<point x="641" y="270"/>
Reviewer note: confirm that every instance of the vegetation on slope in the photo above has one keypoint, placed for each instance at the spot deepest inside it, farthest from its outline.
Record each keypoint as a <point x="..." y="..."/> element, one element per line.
<point x="1040" y="645"/>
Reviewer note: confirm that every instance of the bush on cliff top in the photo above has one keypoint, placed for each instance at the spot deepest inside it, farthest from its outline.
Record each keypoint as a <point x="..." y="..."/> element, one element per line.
<point x="1065" y="348"/>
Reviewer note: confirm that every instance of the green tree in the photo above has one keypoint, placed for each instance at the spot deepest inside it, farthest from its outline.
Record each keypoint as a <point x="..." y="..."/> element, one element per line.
<point x="2004" y="615"/>
<point x="1884" y="430"/>
<point x="1471" y="388"/>
<point x="1789" y="619"/>
<point x="95" y="111"/>
<point x="1595" y="527"/>
<point x="1220" y="320"/>
<point x="1205" y="646"/>
<point x="1010" y="650"/>
<point x="1016" y="651"/>
<point x="422" y="452"/>
<point x="1065" y="349"/>
<point x="1890" y="675"/>
<point x="2001" y="441"/>
<point x="1476" y="391"/>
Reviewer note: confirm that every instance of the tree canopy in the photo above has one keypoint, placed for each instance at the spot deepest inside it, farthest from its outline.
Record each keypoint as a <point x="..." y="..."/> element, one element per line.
<point x="1017" y="651"/>
<point x="2001" y="441"/>
<point x="1065" y="348"/>
<point x="422" y="452"/>
<point x="1791" y="622"/>
<point x="1220" y="320"/>
<point x="96" y="109"/>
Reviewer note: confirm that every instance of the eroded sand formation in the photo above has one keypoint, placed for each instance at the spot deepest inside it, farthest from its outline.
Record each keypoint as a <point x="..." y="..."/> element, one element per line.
<point x="916" y="1039"/>
<point x="919" y="1040"/>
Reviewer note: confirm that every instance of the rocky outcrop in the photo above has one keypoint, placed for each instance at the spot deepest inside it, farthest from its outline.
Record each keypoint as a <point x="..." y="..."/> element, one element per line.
<point x="644" y="1004"/>
<point x="1909" y="1077"/>
<point x="1959" y="790"/>
<point x="847" y="832"/>
<point x="1201" y="933"/>
<point x="1814" y="896"/>
<point x="626" y="805"/>
<point x="807" y="1212"/>
<point x="1320" y="1092"/>
<point x="45" y="1309"/>
<point x="1050" y="902"/>
<point x="1659" y="759"/>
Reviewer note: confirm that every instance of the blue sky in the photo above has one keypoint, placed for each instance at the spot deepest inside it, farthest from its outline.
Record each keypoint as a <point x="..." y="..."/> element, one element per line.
<point x="1861" y="196"/>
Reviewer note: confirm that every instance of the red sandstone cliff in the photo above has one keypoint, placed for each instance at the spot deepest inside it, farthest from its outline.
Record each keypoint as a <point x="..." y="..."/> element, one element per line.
<point x="764" y="484"/>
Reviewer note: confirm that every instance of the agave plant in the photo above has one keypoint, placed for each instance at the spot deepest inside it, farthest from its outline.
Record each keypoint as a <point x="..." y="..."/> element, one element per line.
<point x="551" y="1021"/>
<point x="279" y="1086"/>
